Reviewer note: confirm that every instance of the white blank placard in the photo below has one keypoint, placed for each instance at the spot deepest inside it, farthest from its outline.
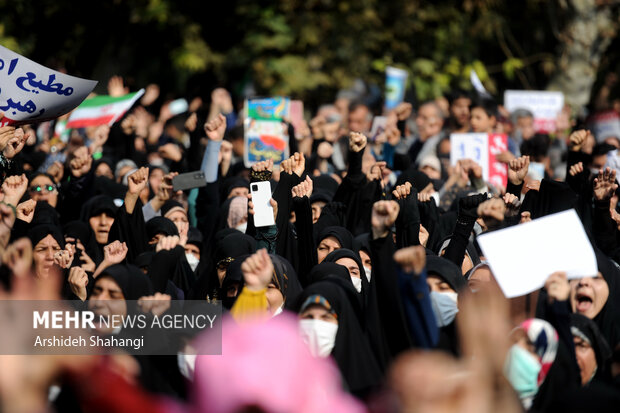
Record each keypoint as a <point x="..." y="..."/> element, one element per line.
<point x="523" y="256"/>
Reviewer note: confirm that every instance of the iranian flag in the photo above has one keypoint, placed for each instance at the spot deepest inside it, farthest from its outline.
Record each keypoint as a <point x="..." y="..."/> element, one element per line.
<point x="102" y="110"/>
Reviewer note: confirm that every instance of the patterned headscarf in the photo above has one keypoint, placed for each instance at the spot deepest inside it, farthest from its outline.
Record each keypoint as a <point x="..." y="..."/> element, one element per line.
<point x="237" y="211"/>
<point x="545" y="340"/>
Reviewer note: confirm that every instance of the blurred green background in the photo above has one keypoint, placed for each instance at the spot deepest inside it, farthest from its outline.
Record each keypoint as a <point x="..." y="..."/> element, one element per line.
<point x="310" y="49"/>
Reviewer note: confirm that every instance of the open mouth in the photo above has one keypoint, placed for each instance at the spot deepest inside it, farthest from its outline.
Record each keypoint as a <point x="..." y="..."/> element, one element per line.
<point x="584" y="302"/>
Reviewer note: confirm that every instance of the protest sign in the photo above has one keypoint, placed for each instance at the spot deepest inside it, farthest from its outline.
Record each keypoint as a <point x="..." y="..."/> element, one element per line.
<point x="268" y="108"/>
<point x="378" y="127"/>
<point x="553" y="243"/>
<point x="265" y="140"/>
<point x="605" y="125"/>
<point x="30" y="92"/>
<point x="483" y="149"/>
<point x="544" y="105"/>
<point x="266" y="136"/>
<point x="395" y="85"/>
<point x="102" y="110"/>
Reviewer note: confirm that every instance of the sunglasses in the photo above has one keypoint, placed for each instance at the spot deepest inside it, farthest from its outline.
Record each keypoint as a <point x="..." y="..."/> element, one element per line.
<point x="44" y="188"/>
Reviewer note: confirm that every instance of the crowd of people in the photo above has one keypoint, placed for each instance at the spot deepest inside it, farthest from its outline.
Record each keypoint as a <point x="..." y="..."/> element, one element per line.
<point x="370" y="292"/>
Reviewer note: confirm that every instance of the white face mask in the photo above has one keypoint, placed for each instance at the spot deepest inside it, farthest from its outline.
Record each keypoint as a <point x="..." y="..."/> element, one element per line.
<point x="319" y="336"/>
<point x="186" y="363"/>
<point x="192" y="261"/>
<point x="357" y="283"/>
<point x="242" y="227"/>
<point x="367" y="271"/>
<point x="444" y="307"/>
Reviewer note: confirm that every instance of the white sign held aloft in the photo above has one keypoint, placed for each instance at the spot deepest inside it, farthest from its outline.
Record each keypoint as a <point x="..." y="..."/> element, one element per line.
<point x="483" y="149"/>
<point x="553" y="243"/>
<point x="544" y="105"/>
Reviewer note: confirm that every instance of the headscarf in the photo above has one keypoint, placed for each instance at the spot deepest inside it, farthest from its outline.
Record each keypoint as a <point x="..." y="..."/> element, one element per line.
<point x="285" y="278"/>
<point x="239" y="244"/>
<point x="447" y="270"/>
<point x="38" y="232"/>
<point x="608" y="319"/>
<point x="347" y="253"/>
<point x="237" y="210"/>
<point x="160" y="225"/>
<point x="352" y="351"/>
<point x="98" y="205"/>
<point x="552" y="197"/>
<point x="255" y="370"/>
<point x="343" y="236"/>
<point x="325" y="188"/>
<point x="587" y="330"/>
<point x="144" y="260"/>
<point x="223" y="233"/>
<point x="233" y="246"/>
<point x="418" y="179"/>
<point x="44" y="213"/>
<point x="130" y="279"/>
<point x="362" y="243"/>
<point x="170" y="206"/>
<point x="106" y="161"/>
<point x="326" y="269"/>
<point x="234" y="275"/>
<point x="545" y="340"/>
<point x="231" y="183"/>
<point x="325" y="184"/>
<point x="194" y="236"/>
<point x="83" y="232"/>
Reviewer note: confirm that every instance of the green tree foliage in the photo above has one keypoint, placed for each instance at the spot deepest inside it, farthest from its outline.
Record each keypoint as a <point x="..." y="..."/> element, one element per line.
<point x="303" y="48"/>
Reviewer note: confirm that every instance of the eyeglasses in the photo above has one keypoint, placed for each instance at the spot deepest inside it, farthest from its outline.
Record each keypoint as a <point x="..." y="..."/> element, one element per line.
<point x="42" y="188"/>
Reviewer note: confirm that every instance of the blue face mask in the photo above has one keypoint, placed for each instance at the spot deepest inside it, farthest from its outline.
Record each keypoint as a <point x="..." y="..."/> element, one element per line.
<point x="444" y="306"/>
<point x="522" y="370"/>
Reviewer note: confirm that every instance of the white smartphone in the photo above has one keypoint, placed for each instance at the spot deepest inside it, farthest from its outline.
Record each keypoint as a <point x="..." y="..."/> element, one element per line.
<point x="263" y="211"/>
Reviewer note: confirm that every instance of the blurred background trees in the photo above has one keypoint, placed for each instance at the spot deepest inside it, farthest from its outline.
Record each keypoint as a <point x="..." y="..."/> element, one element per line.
<point x="310" y="49"/>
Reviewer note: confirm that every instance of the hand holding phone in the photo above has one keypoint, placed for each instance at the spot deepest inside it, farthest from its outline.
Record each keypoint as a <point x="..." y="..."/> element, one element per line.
<point x="188" y="180"/>
<point x="263" y="211"/>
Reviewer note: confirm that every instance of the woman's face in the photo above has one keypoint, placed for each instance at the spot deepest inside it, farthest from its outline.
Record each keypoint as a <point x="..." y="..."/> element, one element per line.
<point x="180" y="220"/>
<point x="588" y="295"/>
<point x="318" y="312"/>
<point x="43" y="189"/>
<point x="106" y="300"/>
<point x="467" y="264"/>
<point x="586" y="359"/>
<point x="103" y="169"/>
<point x="365" y="259"/>
<point x="327" y="245"/>
<point x="275" y="299"/>
<point x="101" y="225"/>
<point x="520" y="338"/>
<point x="438" y="284"/>
<point x="221" y="271"/>
<point x="43" y="255"/>
<point x="155" y="179"/>
<point x="351" y="265"/>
